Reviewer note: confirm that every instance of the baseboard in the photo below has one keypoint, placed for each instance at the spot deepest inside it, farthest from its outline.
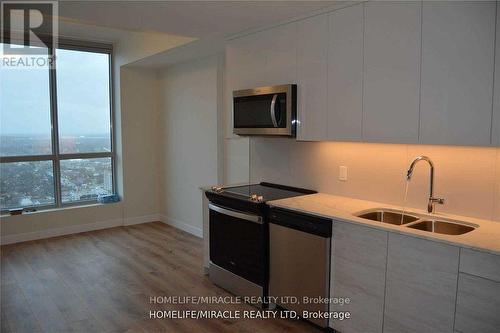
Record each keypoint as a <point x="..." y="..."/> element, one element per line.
<point x="141" y="219"/>
<point x="75" y="229"/>
<point x="54" y="232"/>
<point x="198" y="232"/>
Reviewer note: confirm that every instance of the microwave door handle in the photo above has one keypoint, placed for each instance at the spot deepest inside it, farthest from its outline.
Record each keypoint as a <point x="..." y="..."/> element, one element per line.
<point x="273" y="110"/>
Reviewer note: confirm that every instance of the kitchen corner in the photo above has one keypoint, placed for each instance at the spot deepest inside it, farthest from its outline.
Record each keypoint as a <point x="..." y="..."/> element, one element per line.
<point x="377" y="272"/>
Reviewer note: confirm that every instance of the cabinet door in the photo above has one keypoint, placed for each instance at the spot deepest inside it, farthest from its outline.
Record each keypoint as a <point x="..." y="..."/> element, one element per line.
<point x="478" y="302"/>
<point x="481" y="264"/>
<point x="279" y="48"/>
<point x="312" y="35"/>
<point x="495" y="138"/>
<point x="421" y="285"/>
<point x="358" y="272"/>
<point x="265" y="58"/>
<point x="345" y="74"/>
<point x="457" y="72"/>
<point x="391" y="88"/>
<point x="245" y="63"/>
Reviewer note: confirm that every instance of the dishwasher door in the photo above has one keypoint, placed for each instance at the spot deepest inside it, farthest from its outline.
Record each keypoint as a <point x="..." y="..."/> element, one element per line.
<point x="299" y="261"/>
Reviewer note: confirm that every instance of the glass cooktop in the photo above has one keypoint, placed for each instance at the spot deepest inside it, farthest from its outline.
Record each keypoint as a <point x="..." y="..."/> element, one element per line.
<point x="266" y="190"/>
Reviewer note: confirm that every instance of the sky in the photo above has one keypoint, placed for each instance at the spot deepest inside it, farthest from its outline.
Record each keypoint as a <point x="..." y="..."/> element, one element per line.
<point x="82" y="93"/>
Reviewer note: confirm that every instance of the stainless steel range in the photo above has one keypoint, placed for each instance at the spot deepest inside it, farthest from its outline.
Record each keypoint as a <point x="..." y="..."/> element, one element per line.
<point x="239" y="235"/>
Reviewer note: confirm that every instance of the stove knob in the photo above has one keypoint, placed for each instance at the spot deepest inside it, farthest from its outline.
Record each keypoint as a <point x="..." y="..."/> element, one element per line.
<point x="217" y="189"/>
<point x="260" y="198"/>
<point x="253" y="197"/>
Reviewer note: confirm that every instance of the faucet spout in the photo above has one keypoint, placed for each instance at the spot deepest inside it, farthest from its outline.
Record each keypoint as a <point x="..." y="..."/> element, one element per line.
<point x="432" y="200"/>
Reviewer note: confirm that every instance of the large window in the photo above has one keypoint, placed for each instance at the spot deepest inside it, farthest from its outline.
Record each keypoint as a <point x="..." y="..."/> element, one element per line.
<point x="56" y="138"/>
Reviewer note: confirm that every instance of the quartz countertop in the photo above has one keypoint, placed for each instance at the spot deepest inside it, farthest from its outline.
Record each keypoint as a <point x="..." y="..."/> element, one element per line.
<point x="485" y="238"/>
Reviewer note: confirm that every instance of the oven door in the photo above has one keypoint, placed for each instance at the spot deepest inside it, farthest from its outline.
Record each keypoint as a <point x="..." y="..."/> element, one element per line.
<point x="237" y="243"/>
<point x="265" y="111"/>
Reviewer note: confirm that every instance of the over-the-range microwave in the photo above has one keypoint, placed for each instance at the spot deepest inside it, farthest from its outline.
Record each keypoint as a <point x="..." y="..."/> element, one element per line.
<point x="265" y="111"/>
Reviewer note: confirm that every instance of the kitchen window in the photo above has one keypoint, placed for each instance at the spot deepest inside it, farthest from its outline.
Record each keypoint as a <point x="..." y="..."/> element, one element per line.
<point x="56" y="129"/>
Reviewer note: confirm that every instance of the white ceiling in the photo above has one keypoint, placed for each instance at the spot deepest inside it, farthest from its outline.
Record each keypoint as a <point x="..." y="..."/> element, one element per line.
<point x="187" y="18"/>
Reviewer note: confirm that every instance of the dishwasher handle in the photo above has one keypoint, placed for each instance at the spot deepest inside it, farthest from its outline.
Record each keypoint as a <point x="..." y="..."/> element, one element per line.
<point x="303" y="222"/>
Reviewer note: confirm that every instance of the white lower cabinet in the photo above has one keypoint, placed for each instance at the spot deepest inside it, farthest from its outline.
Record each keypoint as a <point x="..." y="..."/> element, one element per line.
<point x="478" y="304"/>
<point x="421" y="285"/>
<point x="478" y="295"/>
<point x="399" y="283"/>
<point x="481" y="264"/>
<point x="358" y="273"/>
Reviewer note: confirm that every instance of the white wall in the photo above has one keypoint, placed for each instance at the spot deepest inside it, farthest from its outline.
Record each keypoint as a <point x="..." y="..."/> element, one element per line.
<point x="140" y="132"/>
<point x="467" y="177"/>
<point x="189" y="104"/>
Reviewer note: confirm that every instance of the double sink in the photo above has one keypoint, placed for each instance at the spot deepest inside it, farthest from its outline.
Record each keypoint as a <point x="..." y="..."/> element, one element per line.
<point x="417" y="221"/>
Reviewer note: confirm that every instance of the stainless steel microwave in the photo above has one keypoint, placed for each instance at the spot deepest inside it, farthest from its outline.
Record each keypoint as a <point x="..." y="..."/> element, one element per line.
<point x="265" y="111"/>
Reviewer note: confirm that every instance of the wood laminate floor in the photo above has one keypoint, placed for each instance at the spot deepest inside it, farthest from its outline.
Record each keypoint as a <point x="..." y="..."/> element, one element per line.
<point x="101" y="281"/>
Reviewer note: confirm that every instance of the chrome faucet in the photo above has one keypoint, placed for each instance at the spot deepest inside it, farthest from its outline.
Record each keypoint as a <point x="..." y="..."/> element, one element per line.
<point x="432" y="199"/>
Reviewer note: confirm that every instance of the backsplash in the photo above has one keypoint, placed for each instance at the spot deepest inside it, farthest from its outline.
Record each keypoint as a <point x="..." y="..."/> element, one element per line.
<point x="467" y="177"/>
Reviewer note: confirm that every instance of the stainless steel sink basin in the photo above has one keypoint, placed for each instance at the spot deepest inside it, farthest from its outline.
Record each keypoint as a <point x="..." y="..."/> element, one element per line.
<point x="417" y="221"/>
<point x="442" y="227"/>
<point x="388" y="216"/>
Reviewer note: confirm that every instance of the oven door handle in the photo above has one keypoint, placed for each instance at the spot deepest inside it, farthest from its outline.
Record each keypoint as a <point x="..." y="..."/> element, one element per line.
<point x="235" y="214"/>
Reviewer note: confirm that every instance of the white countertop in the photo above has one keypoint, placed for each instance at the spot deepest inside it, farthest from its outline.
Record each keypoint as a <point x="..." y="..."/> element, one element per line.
<point x="485" y="238"/>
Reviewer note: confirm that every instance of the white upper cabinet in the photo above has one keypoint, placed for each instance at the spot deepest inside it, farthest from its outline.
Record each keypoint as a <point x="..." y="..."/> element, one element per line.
<point x="345" y="74"/>
<point x="457" y="72"/>
<point x="280" y="50"/>
<point x="391" y="88"/>
<point x="262" y="59"/>
<point x="312" y="78"/>
<point x="244" y="63"/>
<point x="383" y="71"/>
<point x="496" y="101"/>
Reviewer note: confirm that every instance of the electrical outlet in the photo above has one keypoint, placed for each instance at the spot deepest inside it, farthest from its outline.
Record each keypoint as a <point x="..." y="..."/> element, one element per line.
<point x="343" y="173"/>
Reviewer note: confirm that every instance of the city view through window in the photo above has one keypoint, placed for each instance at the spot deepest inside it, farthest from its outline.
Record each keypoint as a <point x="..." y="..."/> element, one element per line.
<point x="30" y="167"/>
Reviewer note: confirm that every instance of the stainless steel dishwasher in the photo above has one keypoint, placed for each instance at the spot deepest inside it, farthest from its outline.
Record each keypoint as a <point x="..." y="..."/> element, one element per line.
<point x="299" y="261"/>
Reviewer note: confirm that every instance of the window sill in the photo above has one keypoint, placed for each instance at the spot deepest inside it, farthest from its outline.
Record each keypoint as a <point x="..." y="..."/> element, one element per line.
<point x="57" y="209"/>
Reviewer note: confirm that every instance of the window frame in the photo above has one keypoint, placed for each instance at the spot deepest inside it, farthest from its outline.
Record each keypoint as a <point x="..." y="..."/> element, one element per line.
<point x="55" y="157"/>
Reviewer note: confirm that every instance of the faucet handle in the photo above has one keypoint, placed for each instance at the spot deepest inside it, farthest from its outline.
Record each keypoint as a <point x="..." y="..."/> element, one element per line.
<point x="432" y="202"/>
<point x="438" y="200"/>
